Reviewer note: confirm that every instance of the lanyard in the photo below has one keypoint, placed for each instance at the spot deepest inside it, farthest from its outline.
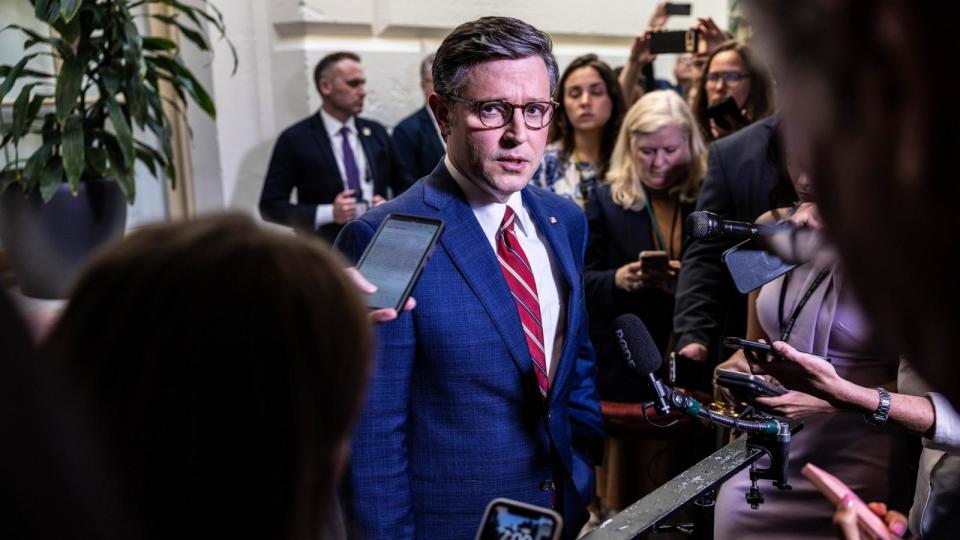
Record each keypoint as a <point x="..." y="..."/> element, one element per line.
<point x="657" y="234"/>
<point x="786" y="330"/>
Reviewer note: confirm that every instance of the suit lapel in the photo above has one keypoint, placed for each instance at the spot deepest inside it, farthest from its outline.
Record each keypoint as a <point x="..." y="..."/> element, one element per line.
<point x="327" y="159"/>
<point x="369" y="145"/>
<point x="555" y="234"/>
<point x="468" y="248"/>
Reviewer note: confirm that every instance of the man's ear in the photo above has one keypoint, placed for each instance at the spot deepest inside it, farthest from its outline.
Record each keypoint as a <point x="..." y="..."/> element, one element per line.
<point x="324" y="87"/>
<point x="440" y="107"/>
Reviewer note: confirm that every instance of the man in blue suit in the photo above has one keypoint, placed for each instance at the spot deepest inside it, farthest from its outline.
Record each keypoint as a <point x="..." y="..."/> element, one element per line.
<point x="487" y="388"/>
<point x="417" y="137"/>
<point x="338" y="162"/>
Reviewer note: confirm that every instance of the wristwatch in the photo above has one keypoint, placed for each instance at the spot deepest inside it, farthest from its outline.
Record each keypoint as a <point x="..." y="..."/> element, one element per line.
<point x="879" y="416"/>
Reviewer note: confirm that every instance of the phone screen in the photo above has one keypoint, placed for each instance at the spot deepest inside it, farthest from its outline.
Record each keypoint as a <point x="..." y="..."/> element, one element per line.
<point x="396" y="256"/>
<point x="751" y="267"/>
<point x="678" y="9"/>
<point x="673" y="41"/>
<point x="507" y="520"/>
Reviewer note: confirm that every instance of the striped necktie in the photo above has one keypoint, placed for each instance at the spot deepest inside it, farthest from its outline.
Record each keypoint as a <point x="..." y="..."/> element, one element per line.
<point x="516" y="269"/>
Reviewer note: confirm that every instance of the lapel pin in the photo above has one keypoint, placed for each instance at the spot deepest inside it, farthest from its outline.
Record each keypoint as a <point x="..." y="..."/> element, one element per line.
<point x="366" y="131"/>
<point x="553" y="220"/>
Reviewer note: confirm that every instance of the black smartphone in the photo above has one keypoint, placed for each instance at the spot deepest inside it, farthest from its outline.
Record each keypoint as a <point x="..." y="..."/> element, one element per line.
<point x="746" y="344"/>
<point x="748" y="383"/>
<point x="689" y="373"/>
<point x="726" y="114"/>
<point x="674" y="41"/>
<point x="752" y="267"/>
<point x="506" y="518"/>
<point x="396" y="256"/>
<point x="678" y="9"/>
<point x="655" y="260"/>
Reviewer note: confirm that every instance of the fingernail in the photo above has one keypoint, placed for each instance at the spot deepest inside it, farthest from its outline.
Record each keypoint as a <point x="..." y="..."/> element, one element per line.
<point x="898" y="528"/>
<point x="847" y="501"/>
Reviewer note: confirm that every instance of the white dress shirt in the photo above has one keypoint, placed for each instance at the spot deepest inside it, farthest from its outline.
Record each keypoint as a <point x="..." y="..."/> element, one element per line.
<point x="333" y="126"/>
<point x="546" y="271"/>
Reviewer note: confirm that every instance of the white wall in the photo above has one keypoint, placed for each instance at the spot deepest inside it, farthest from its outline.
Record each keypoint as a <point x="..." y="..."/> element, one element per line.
<point x="279" y="42"/>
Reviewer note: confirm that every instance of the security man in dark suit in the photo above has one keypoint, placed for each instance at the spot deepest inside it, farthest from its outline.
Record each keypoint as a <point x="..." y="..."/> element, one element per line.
<point x="339" y="163"/>
<point x="417" y="137"/>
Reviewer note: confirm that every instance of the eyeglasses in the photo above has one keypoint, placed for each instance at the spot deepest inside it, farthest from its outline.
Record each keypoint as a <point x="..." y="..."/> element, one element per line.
<point x="729" y="77"/>
<point x="496" y="114"/>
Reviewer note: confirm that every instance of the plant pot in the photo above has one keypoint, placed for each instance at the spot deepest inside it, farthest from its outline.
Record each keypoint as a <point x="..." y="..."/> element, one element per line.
<point x="48" y="244"/>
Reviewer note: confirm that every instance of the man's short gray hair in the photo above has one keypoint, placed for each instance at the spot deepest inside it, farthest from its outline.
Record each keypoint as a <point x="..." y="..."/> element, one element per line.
<point x="486" y="39"/>
<point x="426" y="65"/>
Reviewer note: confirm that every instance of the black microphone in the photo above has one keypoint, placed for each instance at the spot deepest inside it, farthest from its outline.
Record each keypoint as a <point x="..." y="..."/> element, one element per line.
<point x="642" y="355"/>
<point x="704" y="225"/>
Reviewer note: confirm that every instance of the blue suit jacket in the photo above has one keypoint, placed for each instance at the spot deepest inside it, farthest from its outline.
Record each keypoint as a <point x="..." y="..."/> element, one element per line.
<point x="418" y="145"/>
<point x="303" y="159"/>
<point x="453" y="417"/>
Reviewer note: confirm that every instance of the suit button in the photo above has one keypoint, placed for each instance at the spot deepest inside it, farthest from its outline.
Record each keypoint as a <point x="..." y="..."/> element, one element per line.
<point x="546" y="485"/>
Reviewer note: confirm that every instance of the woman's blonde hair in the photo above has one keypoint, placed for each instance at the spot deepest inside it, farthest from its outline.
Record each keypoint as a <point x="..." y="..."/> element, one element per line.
<point x="654" y="111"/>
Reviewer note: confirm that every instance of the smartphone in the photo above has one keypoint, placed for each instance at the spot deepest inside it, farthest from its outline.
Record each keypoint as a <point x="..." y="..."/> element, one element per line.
<point x="674" y="41"/>
<point x="746" y="344"/>
<point x="396" y="256"/>
<point x="726" y="114"/>
<point x="689" y="373"/>
<point x="678" y="9"/>
<point x="749" y="383"/>
<point x="506" y="518"/>
<point x="752" y="267"/>
<point x="655" y="259"/>
<point x="831" y="487"/>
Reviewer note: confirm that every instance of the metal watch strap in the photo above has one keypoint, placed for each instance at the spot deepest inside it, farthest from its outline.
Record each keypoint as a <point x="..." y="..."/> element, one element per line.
<point x="879" y="416"/>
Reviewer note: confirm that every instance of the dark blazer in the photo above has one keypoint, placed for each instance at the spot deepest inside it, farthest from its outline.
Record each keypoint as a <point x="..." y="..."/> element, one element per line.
<point x="453" y="417"/>
<point x="742" y="172"/>
<point x="418" y="144"/>
<point x="617" y="237"/>
<point x="303" y="158"/>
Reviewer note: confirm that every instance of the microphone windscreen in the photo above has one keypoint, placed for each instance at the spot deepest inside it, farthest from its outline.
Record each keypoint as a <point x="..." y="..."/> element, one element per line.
<point x="636" y="344"/>
<point x="701" y="224"/>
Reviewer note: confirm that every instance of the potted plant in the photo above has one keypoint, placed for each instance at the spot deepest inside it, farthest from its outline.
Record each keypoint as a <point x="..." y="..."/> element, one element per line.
<point x="105" y="107"/>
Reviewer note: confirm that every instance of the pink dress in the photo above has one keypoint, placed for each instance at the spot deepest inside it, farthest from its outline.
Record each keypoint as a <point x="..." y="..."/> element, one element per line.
<point x="841" y="443"/>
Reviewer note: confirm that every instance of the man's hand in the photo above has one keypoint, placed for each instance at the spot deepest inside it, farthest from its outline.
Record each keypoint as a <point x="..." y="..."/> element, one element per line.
<point x="377" y="316"/>
<point x="344" y="207"/>
<point x="694" y="351"/>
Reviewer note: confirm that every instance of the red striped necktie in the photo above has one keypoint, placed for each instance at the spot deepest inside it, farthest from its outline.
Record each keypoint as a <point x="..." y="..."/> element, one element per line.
<point x="516" y="269"/>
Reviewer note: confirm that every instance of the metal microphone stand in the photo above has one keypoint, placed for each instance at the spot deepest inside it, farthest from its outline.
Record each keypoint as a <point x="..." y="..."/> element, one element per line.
<point x="765" y="436"/>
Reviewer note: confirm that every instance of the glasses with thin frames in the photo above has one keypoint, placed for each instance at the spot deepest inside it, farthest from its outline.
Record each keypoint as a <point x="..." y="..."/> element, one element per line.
<point x="496" y="114"/>
<point x="729" y="77"/>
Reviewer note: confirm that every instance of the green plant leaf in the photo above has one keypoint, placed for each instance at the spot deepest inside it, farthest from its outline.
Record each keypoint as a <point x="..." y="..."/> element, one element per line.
<point x="50" y="179"/>
<point x="158" y="44"/>
<point x="69" y="9"/>
<point x="97" y="159"/>
<point x="123" y="176"/>
<point x="122" y="129"/>
<point x="185" y="79"/>
<point x="69" y="30"/>
<point x="133" y="49"/>
<point x="68" y="87"/>
<point x="6" y="69"/>
<point x="13" y="74"/>
<point x="47" y="10"/>
<point x="72" y="150"/>
<point x="36" y="163"/>
<point x="21" y="108"/>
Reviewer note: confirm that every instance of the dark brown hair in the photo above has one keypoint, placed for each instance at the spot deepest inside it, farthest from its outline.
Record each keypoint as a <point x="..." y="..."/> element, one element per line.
<point x="224" y="366"/>
<point x="879" y="136"/>
<point x="560" y="128"/>
<point x="759" y="102"/>
<point x="328" y="61"/>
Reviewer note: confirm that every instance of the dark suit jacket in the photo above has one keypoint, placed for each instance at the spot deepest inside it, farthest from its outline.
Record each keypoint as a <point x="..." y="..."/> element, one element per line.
<point x="743" y="169"/>
<point x="303" y="158"/>
<point x="453" y="416"/>
<point x="418" y="145"/>
<point x="617" y="237"/>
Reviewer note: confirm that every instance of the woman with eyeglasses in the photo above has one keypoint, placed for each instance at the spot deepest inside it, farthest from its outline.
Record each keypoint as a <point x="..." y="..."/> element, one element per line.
<point x="584" y="129"/>
<point x="732" y="71"/>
